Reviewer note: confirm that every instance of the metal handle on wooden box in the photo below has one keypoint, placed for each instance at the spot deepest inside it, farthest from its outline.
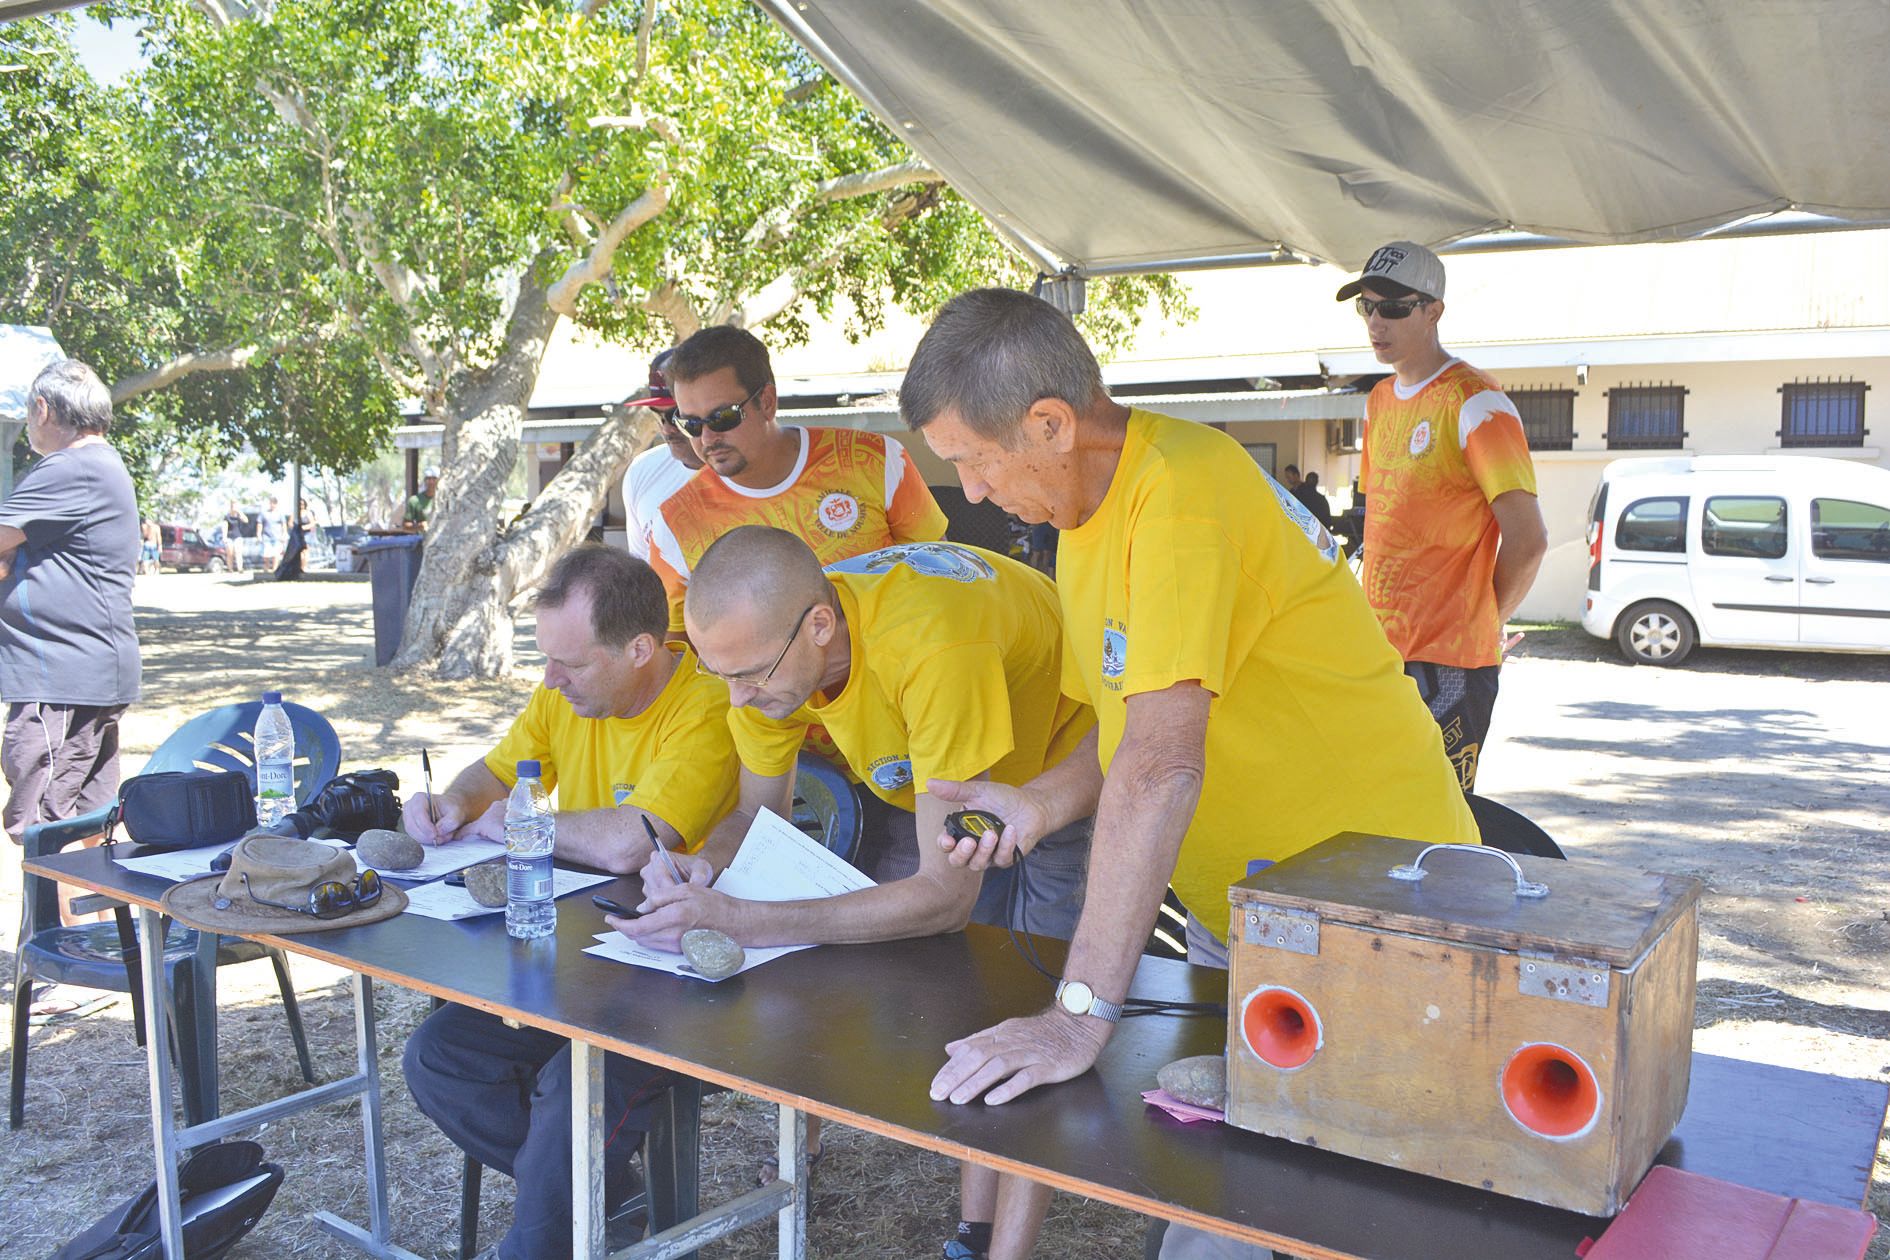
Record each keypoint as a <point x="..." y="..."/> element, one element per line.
<point x="1416" y="871"/>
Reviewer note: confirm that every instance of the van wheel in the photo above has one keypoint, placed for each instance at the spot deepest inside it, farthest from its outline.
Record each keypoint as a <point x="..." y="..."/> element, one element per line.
<point x="215" y="565"/>
<point x="1655" y="634"/>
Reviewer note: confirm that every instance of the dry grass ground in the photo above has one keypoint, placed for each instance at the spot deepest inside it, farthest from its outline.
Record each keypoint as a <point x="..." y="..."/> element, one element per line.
<point x="1766" y="775"/>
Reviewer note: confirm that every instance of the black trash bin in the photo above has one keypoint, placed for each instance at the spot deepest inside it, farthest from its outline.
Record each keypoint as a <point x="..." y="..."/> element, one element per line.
<point x="393" y="564"/>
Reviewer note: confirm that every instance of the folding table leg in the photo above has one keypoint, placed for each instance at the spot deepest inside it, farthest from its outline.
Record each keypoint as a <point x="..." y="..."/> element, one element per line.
<point x="791" y="1159"/>
<point x="587" y="1152"/>
<point x="366" y="1062"/>
<point x="157" y="1051"/>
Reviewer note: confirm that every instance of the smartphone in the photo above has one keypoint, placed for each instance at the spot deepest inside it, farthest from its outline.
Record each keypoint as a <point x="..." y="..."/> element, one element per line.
<point x="617" y="908"/>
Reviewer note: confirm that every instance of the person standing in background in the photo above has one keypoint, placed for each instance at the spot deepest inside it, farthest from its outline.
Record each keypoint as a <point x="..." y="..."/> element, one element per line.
<point x="660" y="471"/>
<point x="1453" y="532"/>
<point x="69" y="665"/>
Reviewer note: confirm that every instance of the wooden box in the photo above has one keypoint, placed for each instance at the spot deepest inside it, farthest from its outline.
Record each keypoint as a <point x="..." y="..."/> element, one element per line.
<point x="1462" y="1023"/>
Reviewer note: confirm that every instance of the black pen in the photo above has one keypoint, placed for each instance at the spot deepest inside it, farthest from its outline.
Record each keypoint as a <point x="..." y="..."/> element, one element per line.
<point x="668" y="861"/>
<point x="426" y="773"/>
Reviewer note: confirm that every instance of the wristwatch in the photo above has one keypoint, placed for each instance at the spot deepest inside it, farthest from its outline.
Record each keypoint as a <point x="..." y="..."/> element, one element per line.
<point x="1079" y="999"/>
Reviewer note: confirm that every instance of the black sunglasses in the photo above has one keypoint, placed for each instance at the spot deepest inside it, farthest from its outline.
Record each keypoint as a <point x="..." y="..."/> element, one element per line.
<point x="1390" y="308"/>
<point x="327" y="900"/>
<point x="721" y="420"/>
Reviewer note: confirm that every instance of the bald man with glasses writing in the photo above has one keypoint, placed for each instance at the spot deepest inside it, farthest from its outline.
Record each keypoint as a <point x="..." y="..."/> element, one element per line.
<point x="922" y="661"/>
<point x="841" y="491"/>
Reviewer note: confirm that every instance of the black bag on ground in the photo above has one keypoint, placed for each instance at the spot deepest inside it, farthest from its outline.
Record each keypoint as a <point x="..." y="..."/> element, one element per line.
<point x="186" y="809"/>
<point x="224" y="1189"/>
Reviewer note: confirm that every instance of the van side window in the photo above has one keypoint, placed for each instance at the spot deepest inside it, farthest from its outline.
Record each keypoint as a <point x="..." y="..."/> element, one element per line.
<point x="1844" y="529"/>
<point x="1752" y="526"/>
<point x="1653" y="525"/>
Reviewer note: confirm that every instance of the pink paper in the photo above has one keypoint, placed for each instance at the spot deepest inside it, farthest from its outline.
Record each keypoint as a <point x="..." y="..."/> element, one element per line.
<point x="1186" y="1112"/>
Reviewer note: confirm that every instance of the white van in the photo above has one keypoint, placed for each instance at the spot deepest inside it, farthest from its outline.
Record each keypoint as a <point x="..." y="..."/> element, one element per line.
<point x="1739" y="551"/>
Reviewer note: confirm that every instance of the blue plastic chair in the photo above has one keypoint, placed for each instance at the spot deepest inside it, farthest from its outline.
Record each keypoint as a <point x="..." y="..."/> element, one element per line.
<point x="91" y="956"/>
<point x="825" y="806"/>
<point x="1503" y="828"/>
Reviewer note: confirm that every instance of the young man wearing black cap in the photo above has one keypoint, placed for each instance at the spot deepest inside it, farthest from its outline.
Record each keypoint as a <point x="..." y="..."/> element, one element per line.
<point x="1453" y="533"/>
<point x="660" y="471"/>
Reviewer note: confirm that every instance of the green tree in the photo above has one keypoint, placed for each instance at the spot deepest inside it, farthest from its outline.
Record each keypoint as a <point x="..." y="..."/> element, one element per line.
<point x="430" y="186"/>
<point x="64" y="158"/>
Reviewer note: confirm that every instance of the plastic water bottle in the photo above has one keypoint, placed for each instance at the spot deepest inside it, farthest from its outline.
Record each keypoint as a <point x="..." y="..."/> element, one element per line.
<point x="275" y="762"/>
<point x="530" y="911"/>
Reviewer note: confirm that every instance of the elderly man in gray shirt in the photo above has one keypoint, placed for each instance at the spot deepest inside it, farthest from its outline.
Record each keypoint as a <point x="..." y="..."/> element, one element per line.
<point x="68" y="648"/>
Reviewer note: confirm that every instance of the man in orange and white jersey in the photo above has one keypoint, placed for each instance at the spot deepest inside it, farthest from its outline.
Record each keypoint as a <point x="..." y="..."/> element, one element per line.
<point x="842" y="491"/>
<point x="1453" y="533"/>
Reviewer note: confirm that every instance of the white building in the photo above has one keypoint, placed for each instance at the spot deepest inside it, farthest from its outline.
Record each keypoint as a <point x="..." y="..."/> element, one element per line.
<point x="1730" y="345"/>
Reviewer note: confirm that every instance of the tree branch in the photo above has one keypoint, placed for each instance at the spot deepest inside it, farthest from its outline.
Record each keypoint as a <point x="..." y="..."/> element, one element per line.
<point x="671" y="305"/>
<point x="863" y="183"/>
<point x="645" y="21"/>
<point x="806" y="91"/>
<point x="229" y="359"/>
<point x="596" y="264"/>
<point x="784" y="290"/>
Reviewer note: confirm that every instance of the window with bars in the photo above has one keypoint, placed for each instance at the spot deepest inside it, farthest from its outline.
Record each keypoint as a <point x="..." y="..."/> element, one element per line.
<point x="1548" y="417"/>
<point x="1822" y="413"/>
<point x="1647" y="417"/>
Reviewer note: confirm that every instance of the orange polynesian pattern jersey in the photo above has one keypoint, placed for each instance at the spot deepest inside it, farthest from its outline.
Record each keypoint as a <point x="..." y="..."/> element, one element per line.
<point x="850" y="492"/>
<point x="1434" y="459"/>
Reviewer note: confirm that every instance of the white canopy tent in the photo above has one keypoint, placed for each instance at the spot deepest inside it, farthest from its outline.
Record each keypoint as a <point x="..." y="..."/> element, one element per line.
<point x="1119" y="135"/>
<point x="24" y="351"/>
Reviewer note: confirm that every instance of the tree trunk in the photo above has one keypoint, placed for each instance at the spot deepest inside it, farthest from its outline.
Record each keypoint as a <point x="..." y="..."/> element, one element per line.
<point x="461" y="612"/>
<point x="456" y="609"/>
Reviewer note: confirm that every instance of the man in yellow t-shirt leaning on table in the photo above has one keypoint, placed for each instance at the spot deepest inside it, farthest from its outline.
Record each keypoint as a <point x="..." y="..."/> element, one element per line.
<point x="1248" y="706"/>
<point x="627" y="729"/>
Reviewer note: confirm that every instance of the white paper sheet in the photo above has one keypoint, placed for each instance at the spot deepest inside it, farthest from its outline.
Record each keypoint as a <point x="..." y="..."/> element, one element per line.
<point x="444" y="859"/>
<point x="620" y="948"/>
<point x="777" y="862"/>
<point x="441" y="900"/>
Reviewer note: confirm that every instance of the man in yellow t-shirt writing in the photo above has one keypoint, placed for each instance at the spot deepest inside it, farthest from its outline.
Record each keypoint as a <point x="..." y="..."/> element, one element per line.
<point x="1248" y="706"/>
<point x="627" y="730"/>
<point x="922" y="661"/>
<point x="1453" y="534"/>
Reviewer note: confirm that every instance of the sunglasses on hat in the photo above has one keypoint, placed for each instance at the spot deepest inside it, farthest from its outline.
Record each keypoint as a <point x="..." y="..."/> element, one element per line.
<point x="721" y="420"/>
<point x="327" y="900"/>
<point x="1390" y="308"/>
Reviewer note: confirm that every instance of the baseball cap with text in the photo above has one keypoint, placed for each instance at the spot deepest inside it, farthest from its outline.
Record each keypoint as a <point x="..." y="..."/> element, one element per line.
<point x="1402" y="263"/>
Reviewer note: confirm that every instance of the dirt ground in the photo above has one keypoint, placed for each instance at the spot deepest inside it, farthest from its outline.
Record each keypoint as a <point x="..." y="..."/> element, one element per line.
<point x="1764" y="774"/>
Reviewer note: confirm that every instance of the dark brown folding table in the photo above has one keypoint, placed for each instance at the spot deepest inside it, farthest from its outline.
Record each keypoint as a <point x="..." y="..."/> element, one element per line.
<point x="855" y="1034"/>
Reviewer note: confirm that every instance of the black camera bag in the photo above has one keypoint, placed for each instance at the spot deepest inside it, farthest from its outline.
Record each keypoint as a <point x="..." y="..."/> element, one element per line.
<point x="185" y="809"/>
<point x="224" y="1189"/>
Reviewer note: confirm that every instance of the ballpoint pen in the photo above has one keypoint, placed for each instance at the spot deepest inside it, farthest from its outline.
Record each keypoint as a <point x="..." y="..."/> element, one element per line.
<point x="426" y="774"/>
<point x="670" y="862"/>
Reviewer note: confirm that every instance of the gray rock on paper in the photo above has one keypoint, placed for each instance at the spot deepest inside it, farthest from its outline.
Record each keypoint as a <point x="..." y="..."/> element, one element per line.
<point x="1201" y="1080"/>
<point x="713" y="954"/>
<point x="386" y="850"/>
<point x="486" y="882"/>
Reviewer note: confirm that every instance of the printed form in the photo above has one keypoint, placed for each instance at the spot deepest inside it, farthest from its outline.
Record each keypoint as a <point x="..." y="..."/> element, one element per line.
<point x="777" y="862"/>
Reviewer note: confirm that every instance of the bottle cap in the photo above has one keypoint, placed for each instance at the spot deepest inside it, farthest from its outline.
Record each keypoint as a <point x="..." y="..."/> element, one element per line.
<point x="272" y="697"/>
<point x="528" y="770"/>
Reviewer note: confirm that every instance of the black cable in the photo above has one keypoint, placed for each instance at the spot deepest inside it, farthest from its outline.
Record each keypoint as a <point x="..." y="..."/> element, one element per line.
<point x="1017" y="918"/>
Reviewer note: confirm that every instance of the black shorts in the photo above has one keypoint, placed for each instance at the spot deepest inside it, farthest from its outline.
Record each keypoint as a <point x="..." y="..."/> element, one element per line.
<point x="1461" y="701"/>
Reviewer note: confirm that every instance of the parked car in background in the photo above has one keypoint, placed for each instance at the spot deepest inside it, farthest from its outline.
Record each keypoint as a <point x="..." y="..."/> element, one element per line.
<point x="184" y="548"/>
<point x="1739" y="551"/>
